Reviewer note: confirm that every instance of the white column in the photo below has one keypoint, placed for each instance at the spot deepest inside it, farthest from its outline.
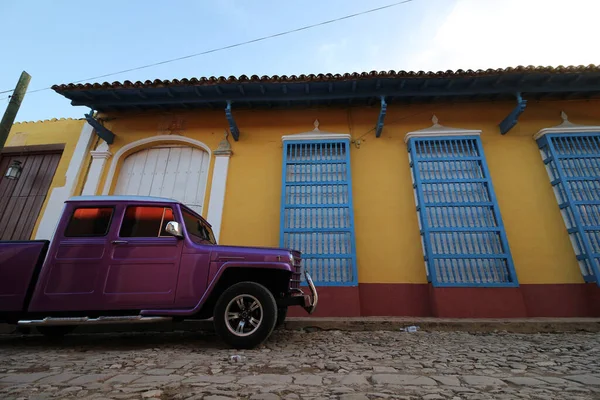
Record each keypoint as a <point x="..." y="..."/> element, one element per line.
<point x="219" y="183"/>
<point x="99" y="157"/>
<point x="53" y="210"/>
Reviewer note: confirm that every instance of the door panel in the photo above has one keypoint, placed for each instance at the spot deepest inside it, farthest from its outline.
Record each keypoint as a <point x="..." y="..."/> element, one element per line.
<point x="155" y="185"/>
<point x="152" y="279"/>
<point x="177" y="172"/>
<point x="171" y="171"/>
<point x="72" y="278"/>
<point x="76" y="266"/>
<point x="182" y="175"/>
<point x="21" y="199"/>
<point x="77" y="261"/>
<point x="196" y="181"/>
<point x="80" y="251"/>
<point x="146" y="251"/>
<point x="144" y="261"/>
<point x="125" y="174"/>
<point x="195" y="260"/>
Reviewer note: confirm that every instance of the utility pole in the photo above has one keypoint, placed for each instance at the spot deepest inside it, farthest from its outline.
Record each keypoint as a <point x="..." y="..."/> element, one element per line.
<point x="13" y="107"/>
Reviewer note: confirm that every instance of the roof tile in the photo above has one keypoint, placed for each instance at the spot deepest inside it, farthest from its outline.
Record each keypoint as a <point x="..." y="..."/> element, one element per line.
<point x="327" y="77"/>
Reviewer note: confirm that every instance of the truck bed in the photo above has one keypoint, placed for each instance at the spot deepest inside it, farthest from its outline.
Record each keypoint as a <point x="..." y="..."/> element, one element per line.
<point x="20" y="264"/>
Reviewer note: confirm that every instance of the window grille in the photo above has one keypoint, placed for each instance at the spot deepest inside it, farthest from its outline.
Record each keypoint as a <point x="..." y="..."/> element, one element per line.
<point x="316" y="209"/>
<point x="573" y="164"/>
<point x="462" y="234"/>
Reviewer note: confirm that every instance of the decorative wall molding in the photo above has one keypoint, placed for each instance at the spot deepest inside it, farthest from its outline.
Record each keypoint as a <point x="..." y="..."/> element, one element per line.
<point x="224" y="148"/>
<point x="101" y="151"/>
<point x="219" y="185"/>
<point x="439" y="130"/>
<point x="99" y="157"/>
<point x="171" y="124"/>
<point x="567" y="126"/>
<point x="217" y="194"/>
<point x="37" y="148"/>
<point x="316" y="134"/>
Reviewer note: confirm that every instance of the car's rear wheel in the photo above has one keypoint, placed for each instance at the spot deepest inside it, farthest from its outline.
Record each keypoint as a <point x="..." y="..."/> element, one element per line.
<point x="245" y="315"/>
<point x="55" y="331"/>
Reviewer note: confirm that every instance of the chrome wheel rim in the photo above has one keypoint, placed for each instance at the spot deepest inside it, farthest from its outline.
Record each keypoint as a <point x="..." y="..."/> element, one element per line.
<point x="243" y="315"/>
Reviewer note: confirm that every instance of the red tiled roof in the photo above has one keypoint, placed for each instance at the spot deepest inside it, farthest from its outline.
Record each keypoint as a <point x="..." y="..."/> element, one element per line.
<point x="329" y="77"/>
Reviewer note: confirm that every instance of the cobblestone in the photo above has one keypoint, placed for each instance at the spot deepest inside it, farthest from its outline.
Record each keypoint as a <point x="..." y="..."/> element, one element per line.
<point x="296" y="365"/>
<point x="524" y="381"/>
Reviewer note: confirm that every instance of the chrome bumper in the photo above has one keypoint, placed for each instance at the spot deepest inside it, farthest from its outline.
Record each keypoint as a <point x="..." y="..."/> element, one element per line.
<point x="299" y="298"/>
<point x="314" y="298"/>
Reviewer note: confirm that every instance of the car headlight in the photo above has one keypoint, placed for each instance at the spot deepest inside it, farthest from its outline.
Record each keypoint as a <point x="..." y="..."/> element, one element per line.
<point x="291" y="259"/>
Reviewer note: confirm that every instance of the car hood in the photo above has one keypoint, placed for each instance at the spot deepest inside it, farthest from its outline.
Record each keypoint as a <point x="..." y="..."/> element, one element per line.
<point x="251" y="253"/>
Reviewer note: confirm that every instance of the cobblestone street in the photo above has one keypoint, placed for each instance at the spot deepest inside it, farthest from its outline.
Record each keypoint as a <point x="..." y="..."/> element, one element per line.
<point x="302" y="365"/>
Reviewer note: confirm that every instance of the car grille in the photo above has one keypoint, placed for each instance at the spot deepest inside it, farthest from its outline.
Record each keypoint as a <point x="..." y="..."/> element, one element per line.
<point x="296" y="273"/>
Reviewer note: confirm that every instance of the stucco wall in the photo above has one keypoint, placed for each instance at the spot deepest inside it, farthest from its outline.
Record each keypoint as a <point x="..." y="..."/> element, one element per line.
<point x="387" y="236"/>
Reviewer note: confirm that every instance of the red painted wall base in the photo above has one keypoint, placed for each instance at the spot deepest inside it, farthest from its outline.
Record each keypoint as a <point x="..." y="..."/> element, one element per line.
<point x="422" y="300"/>
<point x="333" y="302"/>
<point x="394" y="300"/>
<point x="477" y="302"/>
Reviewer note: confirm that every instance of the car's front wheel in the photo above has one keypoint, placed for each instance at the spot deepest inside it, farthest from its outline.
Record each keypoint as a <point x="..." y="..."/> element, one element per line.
<point x="245" y="315"/>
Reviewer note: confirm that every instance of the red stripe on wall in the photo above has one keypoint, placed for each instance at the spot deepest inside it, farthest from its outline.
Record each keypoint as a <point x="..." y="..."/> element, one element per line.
<point x="477" y="303"/>
<point x="410" y="300"/>
<point x="422" y="300"/>
<point x="559" y="300"/>
<point x="333" y="302"/>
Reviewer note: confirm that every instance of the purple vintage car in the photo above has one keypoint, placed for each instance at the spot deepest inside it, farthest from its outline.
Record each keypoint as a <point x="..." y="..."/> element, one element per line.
<point x="131" y="259"/>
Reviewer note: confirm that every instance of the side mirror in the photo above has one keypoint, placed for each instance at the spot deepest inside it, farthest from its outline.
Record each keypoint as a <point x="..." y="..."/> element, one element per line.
<point x="174" y="228"/>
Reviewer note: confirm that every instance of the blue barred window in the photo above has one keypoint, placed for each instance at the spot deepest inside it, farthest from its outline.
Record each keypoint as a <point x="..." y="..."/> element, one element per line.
<point x="573" y="164"/>
<point x="316" y="209"/>
<point x="462" y="233"/>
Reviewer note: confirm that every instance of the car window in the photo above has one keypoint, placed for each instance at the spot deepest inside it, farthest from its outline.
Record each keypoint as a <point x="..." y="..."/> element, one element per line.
<point x="89" y="221"/>
<point x="144" y="221"/>
<point x="197" y="228"/>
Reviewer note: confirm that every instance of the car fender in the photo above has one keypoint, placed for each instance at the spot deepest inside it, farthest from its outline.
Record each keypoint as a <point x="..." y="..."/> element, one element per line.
<point x="280" y="266"/>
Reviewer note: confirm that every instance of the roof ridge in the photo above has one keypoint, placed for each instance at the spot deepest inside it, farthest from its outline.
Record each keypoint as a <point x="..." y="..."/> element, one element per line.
<point x="213" y="80"/>
<point x="47" y="120"/>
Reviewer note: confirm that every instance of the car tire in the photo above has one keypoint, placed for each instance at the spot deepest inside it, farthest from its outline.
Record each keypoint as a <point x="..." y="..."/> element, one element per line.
<point x="245" y="315"/>
<point x="55" y="331"/>
<point x="281" y="315"/>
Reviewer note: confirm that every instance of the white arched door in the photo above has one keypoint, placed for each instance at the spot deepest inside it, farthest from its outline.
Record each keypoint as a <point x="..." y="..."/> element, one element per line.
<point x="176" y="172"/>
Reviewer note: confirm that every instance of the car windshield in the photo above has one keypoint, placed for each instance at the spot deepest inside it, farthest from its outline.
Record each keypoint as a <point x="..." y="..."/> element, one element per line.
<point x="197" y="228"/>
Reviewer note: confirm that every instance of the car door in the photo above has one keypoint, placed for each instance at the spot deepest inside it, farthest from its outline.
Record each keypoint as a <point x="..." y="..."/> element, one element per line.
<point x="144" y="260"/>
<point x="77" y="260"/>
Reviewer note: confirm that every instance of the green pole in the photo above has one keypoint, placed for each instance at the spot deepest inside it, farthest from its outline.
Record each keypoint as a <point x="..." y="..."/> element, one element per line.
<point x="13" y="107"/>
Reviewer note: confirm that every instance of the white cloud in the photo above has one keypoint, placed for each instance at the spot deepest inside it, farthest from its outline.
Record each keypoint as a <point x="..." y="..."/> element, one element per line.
<point x="481" y="34"/>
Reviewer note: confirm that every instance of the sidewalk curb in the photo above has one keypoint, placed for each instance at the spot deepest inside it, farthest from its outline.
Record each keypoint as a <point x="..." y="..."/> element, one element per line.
<point x="533" y="325"/>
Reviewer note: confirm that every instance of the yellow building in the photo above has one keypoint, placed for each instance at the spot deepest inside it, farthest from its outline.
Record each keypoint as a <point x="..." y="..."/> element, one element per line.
<point x="456" y="194"/>
<point x="40" y="166"/>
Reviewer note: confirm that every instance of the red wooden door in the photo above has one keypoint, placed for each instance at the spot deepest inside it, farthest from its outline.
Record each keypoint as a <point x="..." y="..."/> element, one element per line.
<point x="21" y="199"/>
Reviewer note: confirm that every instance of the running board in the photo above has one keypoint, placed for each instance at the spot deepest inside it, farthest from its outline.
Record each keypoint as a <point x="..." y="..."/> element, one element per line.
<point x="130" y="319"/>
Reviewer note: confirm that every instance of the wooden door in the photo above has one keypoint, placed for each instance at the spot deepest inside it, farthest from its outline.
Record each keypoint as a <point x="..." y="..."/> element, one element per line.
<point x="21" y="200"/>
<point x="176" y="172"/>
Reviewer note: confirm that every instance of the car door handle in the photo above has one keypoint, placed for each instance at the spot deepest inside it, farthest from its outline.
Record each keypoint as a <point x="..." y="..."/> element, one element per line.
<point x="119" y="242"/>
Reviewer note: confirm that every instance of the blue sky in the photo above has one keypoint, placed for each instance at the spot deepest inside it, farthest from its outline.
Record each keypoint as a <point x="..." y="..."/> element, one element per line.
<point x="66" y="40"/>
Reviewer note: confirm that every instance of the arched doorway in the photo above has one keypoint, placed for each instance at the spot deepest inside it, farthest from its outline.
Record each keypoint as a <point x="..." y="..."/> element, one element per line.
<point x="173" y="171"/>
